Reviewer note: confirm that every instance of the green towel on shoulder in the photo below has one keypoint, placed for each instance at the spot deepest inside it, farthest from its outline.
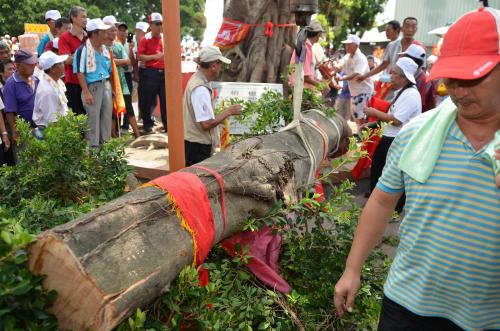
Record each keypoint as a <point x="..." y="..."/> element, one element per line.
<point x="489" y="153"/>
<point x="422" y="150"/>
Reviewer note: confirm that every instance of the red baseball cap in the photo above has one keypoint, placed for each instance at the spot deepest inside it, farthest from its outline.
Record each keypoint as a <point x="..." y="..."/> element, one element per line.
<point x="471" y="47"/>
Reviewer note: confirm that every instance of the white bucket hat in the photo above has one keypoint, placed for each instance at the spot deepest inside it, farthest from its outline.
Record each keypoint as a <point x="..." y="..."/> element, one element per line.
<point x="409" y="68"/>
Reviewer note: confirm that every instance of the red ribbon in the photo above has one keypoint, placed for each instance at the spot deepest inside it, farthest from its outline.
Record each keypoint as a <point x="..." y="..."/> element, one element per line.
<point x="220" y="181"/>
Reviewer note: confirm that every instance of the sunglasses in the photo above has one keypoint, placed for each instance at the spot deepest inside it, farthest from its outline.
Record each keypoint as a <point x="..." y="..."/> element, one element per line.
<point x="157" y="23"/>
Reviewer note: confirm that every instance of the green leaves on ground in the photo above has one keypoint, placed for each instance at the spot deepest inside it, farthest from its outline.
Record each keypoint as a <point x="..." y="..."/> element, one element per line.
<point x="57" y="179"/>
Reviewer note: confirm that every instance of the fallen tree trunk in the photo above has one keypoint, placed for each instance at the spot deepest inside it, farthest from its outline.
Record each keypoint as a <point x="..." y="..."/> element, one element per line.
<point x="123" y="255"/>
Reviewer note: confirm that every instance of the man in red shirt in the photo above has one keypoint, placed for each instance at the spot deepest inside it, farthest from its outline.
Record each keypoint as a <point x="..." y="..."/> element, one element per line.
<point x="152" y="77"/>
<point x="69" y="42"/>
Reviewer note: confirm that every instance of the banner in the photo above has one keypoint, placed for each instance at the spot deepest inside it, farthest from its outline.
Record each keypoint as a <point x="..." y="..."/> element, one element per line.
<point x="231" y="33"/>
<point x="36" y="28"/>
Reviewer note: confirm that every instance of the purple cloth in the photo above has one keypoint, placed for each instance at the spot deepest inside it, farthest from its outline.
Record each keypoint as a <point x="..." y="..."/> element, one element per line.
<point x="19" y="98"/>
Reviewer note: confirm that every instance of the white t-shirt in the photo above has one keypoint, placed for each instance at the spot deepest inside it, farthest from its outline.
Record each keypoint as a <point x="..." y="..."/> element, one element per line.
<point x="2" y="107"/>
<point x="50" y="101"/>
<point x="406" y="107"/>
<point x="202" y="104"/>
<point x="357" y="64"/>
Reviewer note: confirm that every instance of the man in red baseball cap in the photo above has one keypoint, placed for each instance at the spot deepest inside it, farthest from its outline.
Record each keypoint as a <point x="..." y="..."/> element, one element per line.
<point x="446" y="273"/>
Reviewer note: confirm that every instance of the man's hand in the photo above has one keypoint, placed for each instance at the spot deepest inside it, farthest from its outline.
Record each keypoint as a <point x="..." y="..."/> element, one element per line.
<point x="158" y="56"/>
<point x="360" y="78"/>
<point x="345" y="291"/>
<point x="89" y="99"/>
<point x="234" y="110"/>
<point x="369" y="111"/>
<point x="6" y="141"/>
<point x="15" y="136"/>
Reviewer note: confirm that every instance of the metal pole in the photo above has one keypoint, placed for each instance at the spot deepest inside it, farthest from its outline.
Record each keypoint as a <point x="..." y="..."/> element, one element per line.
<point x="173" y="83"/>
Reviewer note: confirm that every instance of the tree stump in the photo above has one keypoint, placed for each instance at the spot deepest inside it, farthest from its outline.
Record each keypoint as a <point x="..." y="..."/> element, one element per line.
<point x="123" y="255"/>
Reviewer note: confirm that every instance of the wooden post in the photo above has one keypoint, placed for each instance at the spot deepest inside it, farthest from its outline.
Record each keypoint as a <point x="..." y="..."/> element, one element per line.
<point x="173" y="80"/>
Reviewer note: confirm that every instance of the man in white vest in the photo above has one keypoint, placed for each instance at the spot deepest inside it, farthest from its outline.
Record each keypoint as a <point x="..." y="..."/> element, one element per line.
<point x="200" y="121"/>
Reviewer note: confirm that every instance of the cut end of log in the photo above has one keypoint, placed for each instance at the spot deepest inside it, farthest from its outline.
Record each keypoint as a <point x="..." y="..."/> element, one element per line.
<point x="50" y="253"/>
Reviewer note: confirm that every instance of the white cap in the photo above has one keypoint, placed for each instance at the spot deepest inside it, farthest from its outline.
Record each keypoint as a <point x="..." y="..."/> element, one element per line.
<point x="415" y="51"/>
<point x="143" y="26"/>
<point x="48" y="59"/>
<point x="210" y="54"/>
<point x="52" y="15"/>
<point x="352" y="39"/>
<point x="409" y="68"/>
<point x="96" y="24"/>
<point x="156" y="17"/>
<point x="110" y="20"/>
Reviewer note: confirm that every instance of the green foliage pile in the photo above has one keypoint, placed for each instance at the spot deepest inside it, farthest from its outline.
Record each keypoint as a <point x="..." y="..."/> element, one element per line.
<point x="272" y="112"/>
<point x="57" y="179"/>
<point x="316" y="238"/>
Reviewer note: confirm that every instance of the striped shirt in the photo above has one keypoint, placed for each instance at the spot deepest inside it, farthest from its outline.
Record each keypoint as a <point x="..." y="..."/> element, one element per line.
<point x="448" y="260"/>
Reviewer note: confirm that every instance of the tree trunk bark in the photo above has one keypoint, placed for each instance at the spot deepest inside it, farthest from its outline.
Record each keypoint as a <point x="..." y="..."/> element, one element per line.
<point x="260" y="58"/>
<point x="123" y="255"/>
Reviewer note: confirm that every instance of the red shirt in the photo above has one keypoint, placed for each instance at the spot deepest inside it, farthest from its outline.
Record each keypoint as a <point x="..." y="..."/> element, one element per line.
<point x="150" y="45"/>
<point x="68" y="44"/>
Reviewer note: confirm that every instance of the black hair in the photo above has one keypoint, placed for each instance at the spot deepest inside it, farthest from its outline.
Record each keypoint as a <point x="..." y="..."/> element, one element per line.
<point x="418" y="61"/>
<point x="206" y="65"/>
<point x="91" y="33"/>
<point x="312" y="34"/>
<point x="409" y="18"/>
<point x="61" y="21"/>
<point x="3" y="64"/>
<point x="396" y="26"/>
<point x="47" y="71"/>
<point x="73" y="12"/>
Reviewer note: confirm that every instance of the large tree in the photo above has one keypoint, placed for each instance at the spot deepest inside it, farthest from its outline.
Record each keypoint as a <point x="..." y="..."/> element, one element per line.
<point x="264" y="59"/>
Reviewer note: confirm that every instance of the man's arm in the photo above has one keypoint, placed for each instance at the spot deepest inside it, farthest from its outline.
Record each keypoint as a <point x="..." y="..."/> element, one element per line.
<point x="89" y="99"/>
<point x="230" y="111"/>
<point x="146" y="58"/>
<point x="11" y="119"/>
<point x="141" y="49"/>
<point x="381" y="67"/>
<point x="311" y="80"/>
<point x="384" y="117"/>
<point x="373" y="221"/>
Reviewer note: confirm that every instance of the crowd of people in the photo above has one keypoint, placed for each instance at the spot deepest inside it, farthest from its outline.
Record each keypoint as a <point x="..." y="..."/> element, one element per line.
<point x="442" y="153"/>
<point x="73" y="66"/>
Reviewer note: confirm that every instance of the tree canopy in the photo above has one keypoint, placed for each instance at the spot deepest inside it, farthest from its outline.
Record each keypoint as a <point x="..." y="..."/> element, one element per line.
<point x="130" y="11"/>
<point x="349" y="16"/>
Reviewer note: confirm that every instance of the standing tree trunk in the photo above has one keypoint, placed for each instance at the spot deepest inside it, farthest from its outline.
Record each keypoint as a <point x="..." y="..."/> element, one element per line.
<point x="259" y="58"/>
<point x="123" y="255"/>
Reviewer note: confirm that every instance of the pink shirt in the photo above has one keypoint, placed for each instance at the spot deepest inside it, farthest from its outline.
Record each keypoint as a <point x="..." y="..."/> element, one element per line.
<point x="309" y="65"/>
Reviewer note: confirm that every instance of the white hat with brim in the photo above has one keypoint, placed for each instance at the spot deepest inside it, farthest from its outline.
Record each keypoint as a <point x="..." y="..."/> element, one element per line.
<point x="352" y="39"/>
<point x="409" y="68"/>
<point x="48" y="59"/>
<point x="156" y="17"/>
<point x="110" y="20"/>
<point x="143" y="26"/>
<point x="96" y="24"/>
<point x="212" y="53"/>
<point x="52" y="15"/>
